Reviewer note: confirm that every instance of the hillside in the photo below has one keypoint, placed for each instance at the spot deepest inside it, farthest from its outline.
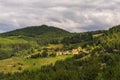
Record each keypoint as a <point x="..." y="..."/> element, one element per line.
<point x="23" y="41"/>
<point x="34" y="56"/>
<point x="39" y="34"/>
<point x="111" y="40"/>
<point x="34" y="31"/>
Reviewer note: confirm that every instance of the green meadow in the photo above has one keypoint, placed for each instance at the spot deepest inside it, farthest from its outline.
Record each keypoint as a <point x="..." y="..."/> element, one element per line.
<point x="19" y="64"/>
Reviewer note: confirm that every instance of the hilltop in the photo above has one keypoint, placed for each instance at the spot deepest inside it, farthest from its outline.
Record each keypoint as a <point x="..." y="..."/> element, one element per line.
<point x="33" y="31"/>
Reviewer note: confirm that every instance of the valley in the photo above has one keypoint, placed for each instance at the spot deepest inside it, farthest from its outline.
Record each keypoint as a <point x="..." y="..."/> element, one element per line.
<point x="49" y="53"/>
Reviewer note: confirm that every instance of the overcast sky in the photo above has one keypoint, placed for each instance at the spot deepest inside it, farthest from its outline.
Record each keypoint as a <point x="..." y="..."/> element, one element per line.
<point x="72" y="15"/>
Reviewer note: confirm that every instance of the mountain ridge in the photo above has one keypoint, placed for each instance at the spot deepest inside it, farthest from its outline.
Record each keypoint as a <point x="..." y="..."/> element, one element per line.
<point x="33" y="31"/>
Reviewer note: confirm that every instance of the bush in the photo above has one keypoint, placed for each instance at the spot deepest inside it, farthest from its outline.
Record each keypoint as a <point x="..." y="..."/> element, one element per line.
<point x="52" y="55"/>
<point x="19" y="68"/>
<point x="5" y="53"/>
<point x="44" y="54"/>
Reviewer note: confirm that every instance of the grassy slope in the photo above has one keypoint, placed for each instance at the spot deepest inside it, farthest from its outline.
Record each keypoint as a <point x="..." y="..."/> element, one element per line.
<point x="54" y="46"/>
<point x="12" y="64"/>
<point x="8" y="41"/>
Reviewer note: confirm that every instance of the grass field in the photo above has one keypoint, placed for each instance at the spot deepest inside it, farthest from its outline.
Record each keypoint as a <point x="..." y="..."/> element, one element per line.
<point x="55" y="46"/>
<point x="7" y="41"/>
<point x="18" y="64"/>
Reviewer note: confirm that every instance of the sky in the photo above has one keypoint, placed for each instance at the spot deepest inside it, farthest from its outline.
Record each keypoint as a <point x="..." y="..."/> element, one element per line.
<point x="71" y="15"/>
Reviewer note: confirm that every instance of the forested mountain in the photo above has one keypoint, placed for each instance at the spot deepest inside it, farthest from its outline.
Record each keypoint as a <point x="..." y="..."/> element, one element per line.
<point x="35" y="31"/>
<point x="98" y="57"/>
<point x="24" y="40"/>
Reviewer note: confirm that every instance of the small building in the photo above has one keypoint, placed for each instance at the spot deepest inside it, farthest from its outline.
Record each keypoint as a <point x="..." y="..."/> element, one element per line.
<point x="75" y="51"/>
<point x="59" y="53"/>
<point x="66" y="53"/>
<point x="27" y="57"/>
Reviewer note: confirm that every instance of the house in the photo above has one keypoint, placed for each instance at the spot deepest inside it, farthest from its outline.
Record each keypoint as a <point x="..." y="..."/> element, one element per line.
<point x="66" y="52"/>
<point x="27" y="57"/>
<point x="75" y="51"/>
<point x="59" y="53"/>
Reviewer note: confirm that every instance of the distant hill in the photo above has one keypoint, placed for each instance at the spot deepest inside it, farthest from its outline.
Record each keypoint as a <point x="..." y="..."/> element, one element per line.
<point x="34" y="31"/>
<point x="41" y="34"/>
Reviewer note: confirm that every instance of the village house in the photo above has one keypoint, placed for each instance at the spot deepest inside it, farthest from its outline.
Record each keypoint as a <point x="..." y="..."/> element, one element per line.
<point x="75" y="51"/>
<point x="27" y="57"/>
<point x="59" y="53"/>
<point x="66" y="52"/>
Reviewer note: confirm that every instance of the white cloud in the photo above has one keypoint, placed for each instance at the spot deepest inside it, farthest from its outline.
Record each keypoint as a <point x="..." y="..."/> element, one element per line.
<point x="76" y="16"/>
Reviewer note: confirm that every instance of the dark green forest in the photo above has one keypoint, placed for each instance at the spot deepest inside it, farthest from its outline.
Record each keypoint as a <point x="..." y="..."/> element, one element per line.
<point x="101" y="62"/>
